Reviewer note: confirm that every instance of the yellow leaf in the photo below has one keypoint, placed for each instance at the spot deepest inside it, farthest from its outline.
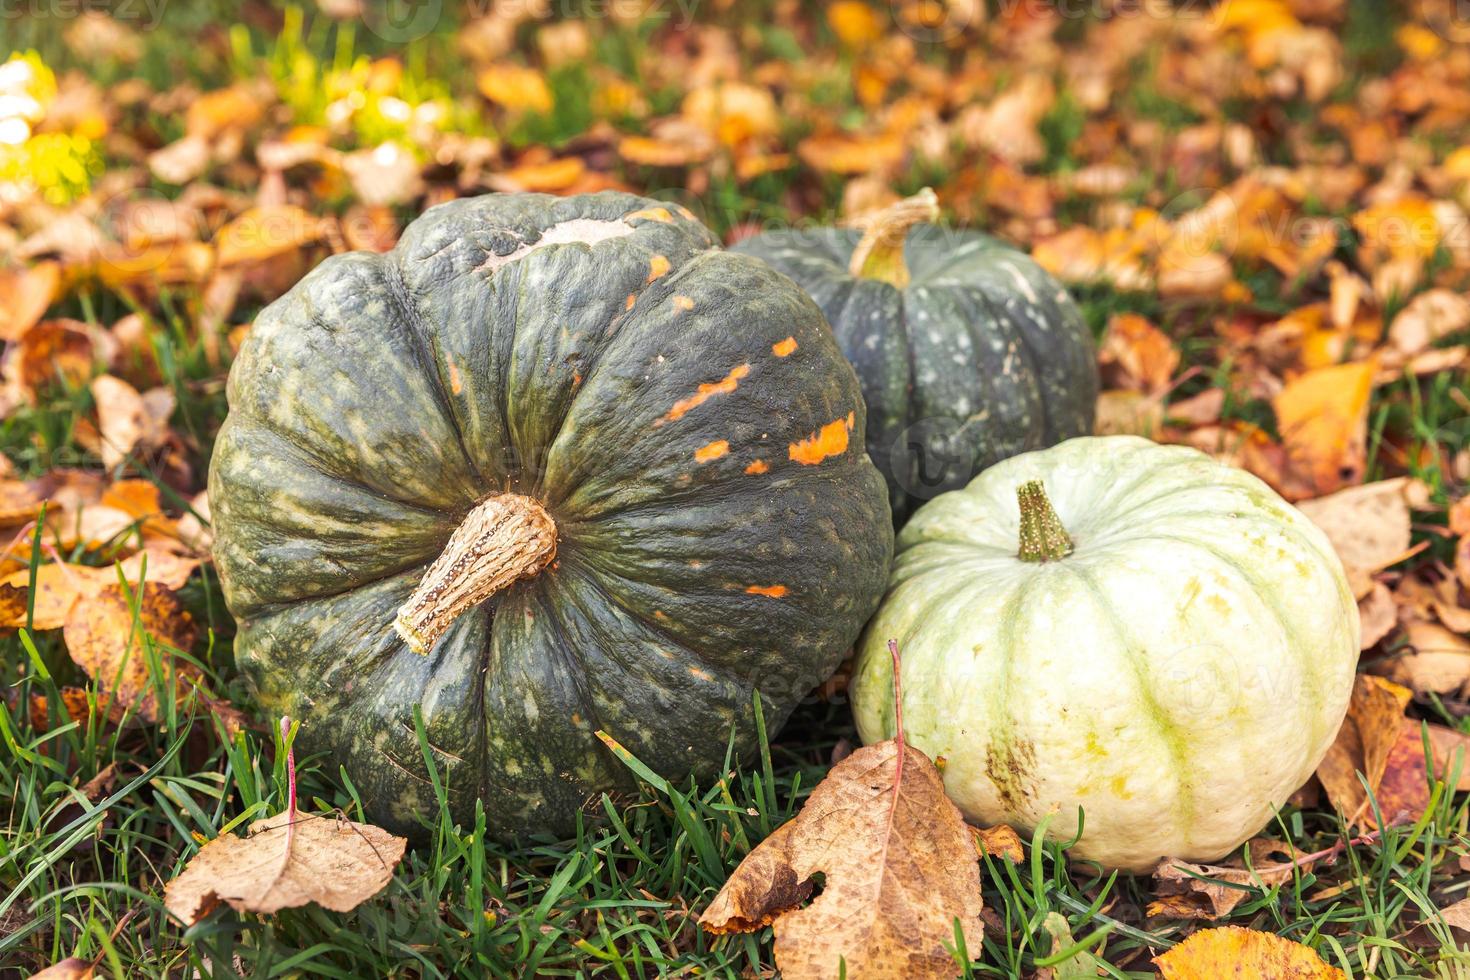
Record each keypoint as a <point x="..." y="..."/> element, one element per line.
<point x="516" y="88"/>
<point x="1231" y="951"/>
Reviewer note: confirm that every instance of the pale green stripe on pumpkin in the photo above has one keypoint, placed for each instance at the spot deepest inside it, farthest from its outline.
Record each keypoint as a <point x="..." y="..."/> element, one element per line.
<point x="1175" y="741"/>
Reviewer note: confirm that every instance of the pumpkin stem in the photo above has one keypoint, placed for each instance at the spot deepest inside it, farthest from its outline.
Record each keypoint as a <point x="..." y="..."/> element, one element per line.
<point x="502" y="539"/>
<point x="879" y="255"/>
<point x="1042" y="536"/>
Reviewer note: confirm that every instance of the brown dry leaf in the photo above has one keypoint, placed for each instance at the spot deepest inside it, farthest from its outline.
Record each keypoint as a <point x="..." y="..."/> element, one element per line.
<point x="1365" y="743"/>
<point x="286" y="863"/>
<point x="900" y="868"/>
<point x="544" y="177"/>
<point x="1440" y="661"/>
<point x="1231" y="951"/>
<point x="121" y="418"/>
<point x="1377" y="615"/>
<point x="1202" y="891"/>
<point x="71" y="968"/>
<point x="1430" y="316"/>
<point x="1367" y="525"/>
<point x="1403" y="792"/>
<point x="1136" y="354"/>
<point x="180" y="161"/>
<point x="25" y="295"/>
<point x="101" y="639"/>
<point x="1001" y="841"/>
<point x="1457" y="915"/>
<point x="265" y="232"/>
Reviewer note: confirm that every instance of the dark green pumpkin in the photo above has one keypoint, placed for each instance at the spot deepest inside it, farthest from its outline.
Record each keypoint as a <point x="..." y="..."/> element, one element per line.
<point x="967" y="351"/>
<point x="681" y="413"/>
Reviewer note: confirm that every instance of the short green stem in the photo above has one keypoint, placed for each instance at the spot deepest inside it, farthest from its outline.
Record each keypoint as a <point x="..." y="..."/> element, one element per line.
<point x="1042" y="536"/>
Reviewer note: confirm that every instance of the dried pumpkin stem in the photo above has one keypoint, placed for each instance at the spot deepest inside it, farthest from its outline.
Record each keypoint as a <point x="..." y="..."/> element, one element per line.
<point x="879" y="254"/>
<point x="1043" y="538"/>
<point x="504" y="538"/>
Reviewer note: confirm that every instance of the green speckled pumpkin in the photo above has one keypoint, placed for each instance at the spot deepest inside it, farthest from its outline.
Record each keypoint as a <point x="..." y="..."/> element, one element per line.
<point x="552" y="465"/>
<point x="967" y="351"/>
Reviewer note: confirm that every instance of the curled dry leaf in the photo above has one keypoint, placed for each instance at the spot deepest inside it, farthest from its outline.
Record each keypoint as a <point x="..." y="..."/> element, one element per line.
<point x="1439" y="661"/>
<point x="1203" y="891"/>
<point x="1081" y="964"/>
<point x="1000" y="841"/>
<point x="1364" y="743"/>
<point x="285" y="863"/>
<point x="900" y="869"/>
<point x="1231" y="951"/>
<point x="101" y="638"/>
<point x="1368" y="527"/>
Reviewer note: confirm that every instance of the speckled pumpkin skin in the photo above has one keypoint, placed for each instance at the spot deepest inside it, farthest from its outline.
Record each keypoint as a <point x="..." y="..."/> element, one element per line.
<point x="681" y="412"/>
<point x="1177" y="676"/>
<point x="983" y="355"/>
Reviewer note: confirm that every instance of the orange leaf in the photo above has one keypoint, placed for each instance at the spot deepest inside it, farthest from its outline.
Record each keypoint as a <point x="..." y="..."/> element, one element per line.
<point x="25" y="295"/>
<point x="1323" y="420"/>
<point x="102" y="639"/>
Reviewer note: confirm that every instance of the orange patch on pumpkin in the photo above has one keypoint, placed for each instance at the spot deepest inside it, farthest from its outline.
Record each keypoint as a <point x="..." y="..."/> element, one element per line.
<point x="630" y="301"/>
<point x="712" y="451"/>
<point x="657" y="266"/>
<point x="652" y="214"/>
<point x="456" y="383"/>
<point x="830" y="440"/>
<point x="758" y="467"/>
<point x="784" y="348"/>
<point x="772" y="591"/>
<point x="705" y="392"/>
<point x="683" y="303"/>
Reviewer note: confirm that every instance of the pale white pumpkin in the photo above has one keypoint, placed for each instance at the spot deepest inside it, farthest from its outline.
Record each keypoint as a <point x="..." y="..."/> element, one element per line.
<point x="1173" y="658"/>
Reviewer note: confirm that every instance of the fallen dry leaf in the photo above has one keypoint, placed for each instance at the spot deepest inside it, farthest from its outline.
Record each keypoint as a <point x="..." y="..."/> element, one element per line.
<point x="127" y="419"/>
<point x="336" y="863"/>
<point x="1183" y="890"/>
<point x="1377" y="615"/>
<point x="1457" y="915"/>
<point x="25" y="295"/>
<point x="1368" y="527"/>
<point x="71" y="968"/>
<point x="903" y="874"/>
<point x="1428" y="317"/>
<point x="1000" y="841"/>
<point x="1323" y="418"/>
<point x="1364" y="743"/>
<point x="1231" y="951"/>
<point x="59" y="585"/>
<point x="264" y="232"/>
<point x="1440" y="661"/>
<point x="1136" y="354"/>
<point x="1403" y="790"/>
<point x="102" y="640"/>
<point x="904" y="871"/>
